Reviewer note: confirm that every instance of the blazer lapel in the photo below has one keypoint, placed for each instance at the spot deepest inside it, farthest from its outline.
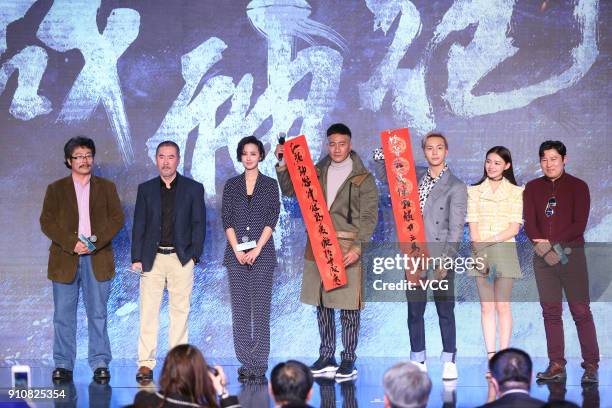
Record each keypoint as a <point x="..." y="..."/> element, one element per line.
<point x="322" y="176"/>
<point x="94" y="193"/>
<point x="439" y="189"/>
<point x="156" y="199"/>
<point x="487" y="193"/>
<point x="257" y="185"/>
<point x="243" y="186"/>
<point x="177" y="198"/>
<point x="243" y="189"/>
<point x="70" y="194"/>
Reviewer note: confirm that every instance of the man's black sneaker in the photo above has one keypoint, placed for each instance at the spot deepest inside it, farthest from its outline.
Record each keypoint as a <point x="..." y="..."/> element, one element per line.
<point x="347" y="371"/>
<point x="324" y="365"/>
<point x="101" y="374"/>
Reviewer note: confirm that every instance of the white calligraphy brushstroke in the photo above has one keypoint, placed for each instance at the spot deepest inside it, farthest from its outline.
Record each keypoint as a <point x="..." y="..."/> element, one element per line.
<point x="31" y="63"/>
<point x="190" y="111"/>
<point x="468" y="65"/>
<point x="126" y="309"/>
<point x="282" y="22"/>
<point x="11" y="10"/>
<point x="598" y="253"/>
<point x="601" y="232"/>
<point x="71" y="24"/>
<point x="410" y="103"/>
<point x="290" y="17"/>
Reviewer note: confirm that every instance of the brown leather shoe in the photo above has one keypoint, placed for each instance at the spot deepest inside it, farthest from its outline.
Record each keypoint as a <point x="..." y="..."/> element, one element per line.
<point x="144" y="374"/>
<point x="590" y="375"/>
<point x="554" y="372"/>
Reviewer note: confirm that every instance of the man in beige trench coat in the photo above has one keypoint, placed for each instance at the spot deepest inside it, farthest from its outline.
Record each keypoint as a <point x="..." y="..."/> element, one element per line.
<point x="352" y="199"/>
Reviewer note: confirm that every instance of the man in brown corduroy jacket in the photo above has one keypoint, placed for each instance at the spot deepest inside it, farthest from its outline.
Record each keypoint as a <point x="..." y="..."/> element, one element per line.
<point x="81" y="205"/>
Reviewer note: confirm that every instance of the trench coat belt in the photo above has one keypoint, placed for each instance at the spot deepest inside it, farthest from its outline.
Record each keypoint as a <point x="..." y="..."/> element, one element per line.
<point x="346" y="235"/>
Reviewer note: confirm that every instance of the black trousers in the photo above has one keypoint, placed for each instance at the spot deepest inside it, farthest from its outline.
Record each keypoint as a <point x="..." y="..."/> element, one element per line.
<point x="350" y="320"/>
<point x="251" y="295"/>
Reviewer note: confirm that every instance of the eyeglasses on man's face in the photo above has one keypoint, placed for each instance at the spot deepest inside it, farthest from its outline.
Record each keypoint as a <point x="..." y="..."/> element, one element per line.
<point x="87" y="157"/>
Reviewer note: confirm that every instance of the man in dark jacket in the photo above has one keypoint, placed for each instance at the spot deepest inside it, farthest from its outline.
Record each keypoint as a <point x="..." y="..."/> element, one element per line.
<point x="81" y="205"/>
<point x="511" y="371"/>
<point x="167" y="241"/>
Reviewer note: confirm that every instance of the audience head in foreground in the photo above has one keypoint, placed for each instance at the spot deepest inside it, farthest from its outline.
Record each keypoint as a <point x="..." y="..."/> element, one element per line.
<point x="406" y="386"/>
<point x="510" y="370"/>
<point x="511" y="378"/>
<point x="187" y="378"/>
<point x="291" y="384"/>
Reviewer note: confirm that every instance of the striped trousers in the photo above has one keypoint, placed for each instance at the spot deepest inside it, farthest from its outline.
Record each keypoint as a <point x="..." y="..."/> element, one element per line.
<point x="349" y="319"/>
<point x="327" y="392"/>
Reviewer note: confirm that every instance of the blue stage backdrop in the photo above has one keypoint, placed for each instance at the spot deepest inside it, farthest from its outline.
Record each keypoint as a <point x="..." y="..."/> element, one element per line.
<point x="130" y="74"/>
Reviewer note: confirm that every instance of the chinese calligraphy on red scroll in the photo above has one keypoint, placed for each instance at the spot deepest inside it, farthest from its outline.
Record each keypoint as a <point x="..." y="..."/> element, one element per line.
<point x="319" y="226"/>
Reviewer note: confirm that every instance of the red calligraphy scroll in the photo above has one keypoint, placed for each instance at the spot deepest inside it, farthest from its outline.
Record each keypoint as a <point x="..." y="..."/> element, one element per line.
<point x="319" y="226"/>
<point x="404" y="190"/>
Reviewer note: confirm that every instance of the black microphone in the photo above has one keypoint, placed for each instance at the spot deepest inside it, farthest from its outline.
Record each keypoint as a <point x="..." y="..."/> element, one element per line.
<point x="281" y="141"/>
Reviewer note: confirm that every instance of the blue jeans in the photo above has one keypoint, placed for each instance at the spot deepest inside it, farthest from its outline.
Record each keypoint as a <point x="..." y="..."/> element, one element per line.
<point x="445" y="306"/>
<point x="65" y="301"/>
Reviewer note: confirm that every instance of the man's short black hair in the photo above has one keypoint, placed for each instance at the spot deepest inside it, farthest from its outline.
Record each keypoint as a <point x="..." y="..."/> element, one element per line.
<point x="511" y="368"/>
<point x="168" y="143"/>
<point x="340" y="128"/>
<point x="252" y="140"/>
<point x="291" y="381"/>
<point x="553" y="144"/>
<point x="73" y="143"/>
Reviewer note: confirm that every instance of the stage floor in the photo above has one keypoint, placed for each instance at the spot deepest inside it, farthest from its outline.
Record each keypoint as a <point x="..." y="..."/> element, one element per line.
<point x="366" y="391"/>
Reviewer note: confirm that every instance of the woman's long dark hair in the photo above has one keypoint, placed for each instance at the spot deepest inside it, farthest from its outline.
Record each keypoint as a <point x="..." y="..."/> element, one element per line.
<point x="185" y="374"/>
<point x="504" y="153"/>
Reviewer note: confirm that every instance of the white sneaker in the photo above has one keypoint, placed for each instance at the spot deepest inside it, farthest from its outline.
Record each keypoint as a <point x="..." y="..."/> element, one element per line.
<point x="449" y="372"/>
<point x="422" y="366"/>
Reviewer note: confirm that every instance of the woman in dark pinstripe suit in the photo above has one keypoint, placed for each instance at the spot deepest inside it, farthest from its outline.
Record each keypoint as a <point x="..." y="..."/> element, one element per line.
<point x="250" y="212"/>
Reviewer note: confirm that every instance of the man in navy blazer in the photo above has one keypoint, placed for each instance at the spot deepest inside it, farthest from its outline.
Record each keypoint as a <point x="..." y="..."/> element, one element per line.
<point x="167" y="241"/>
